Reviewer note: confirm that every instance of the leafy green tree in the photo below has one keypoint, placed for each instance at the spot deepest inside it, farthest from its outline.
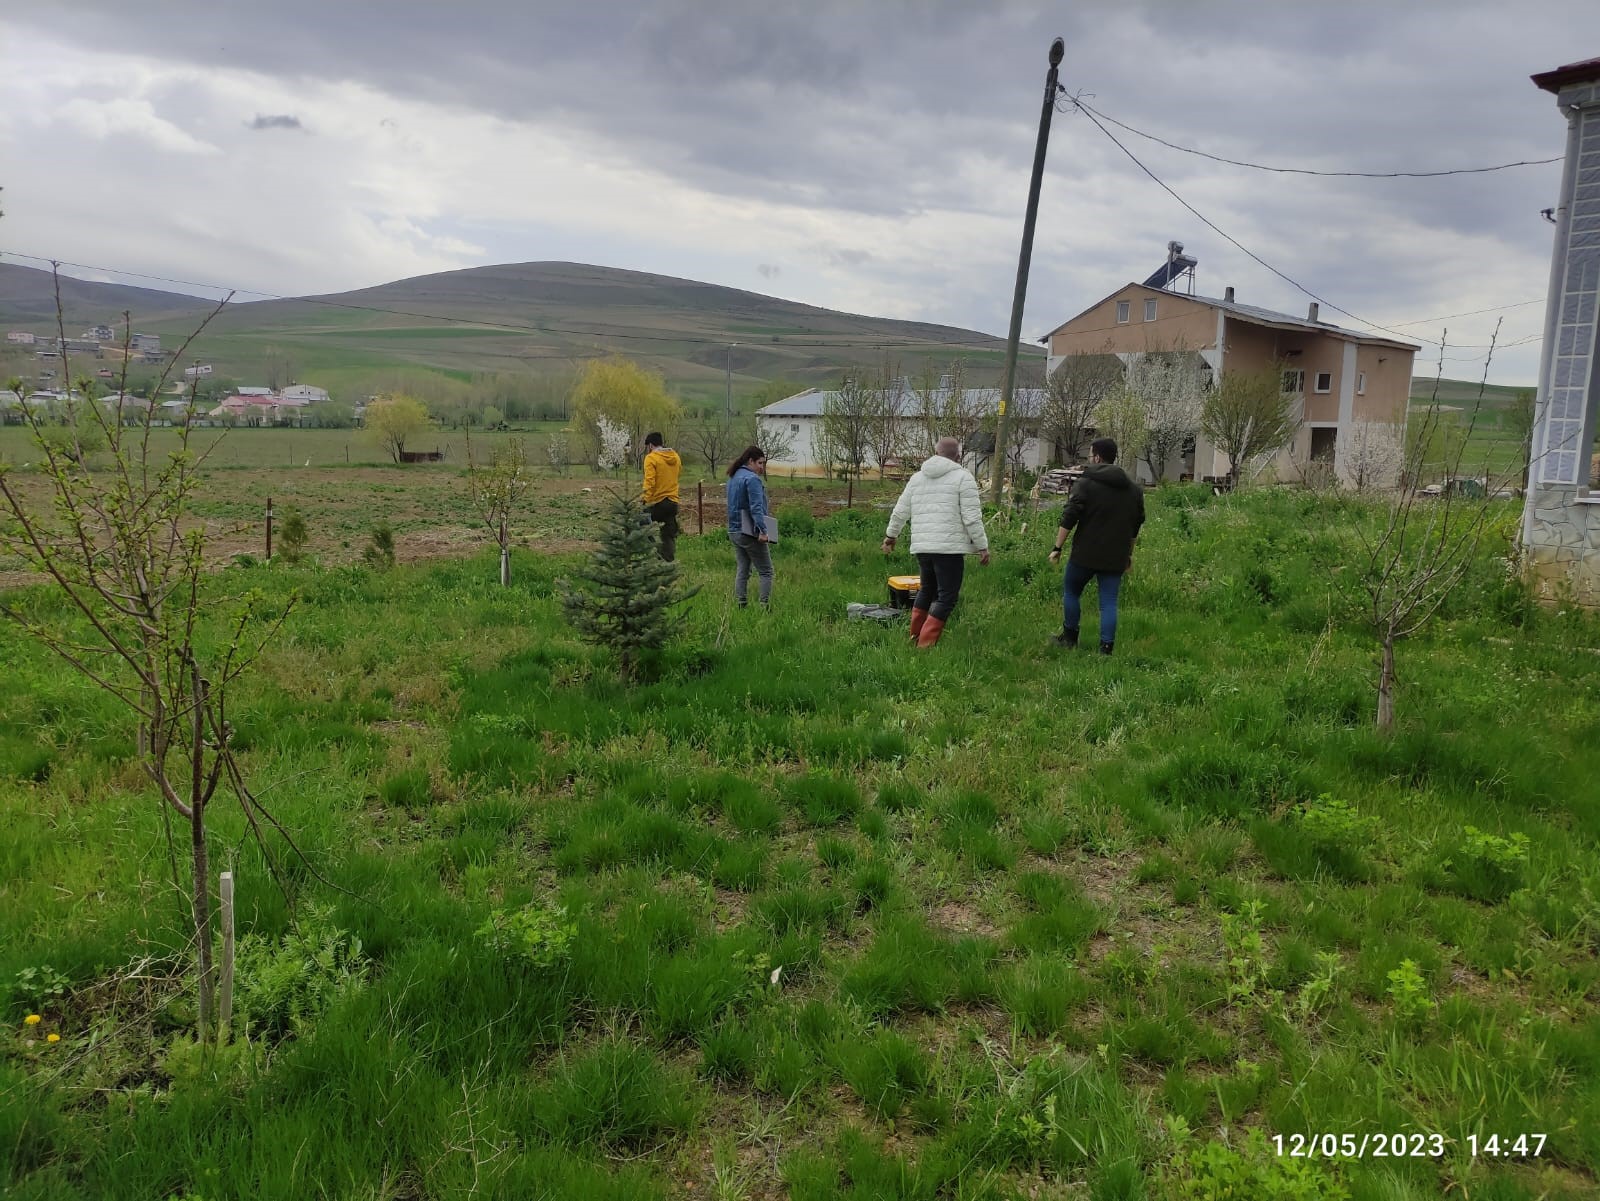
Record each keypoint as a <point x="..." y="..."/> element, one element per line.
<point x="627" y="597"/>
<point x="1248" y="414"/>
<point x="395" y="420"/>
<point x="626" y="395"/>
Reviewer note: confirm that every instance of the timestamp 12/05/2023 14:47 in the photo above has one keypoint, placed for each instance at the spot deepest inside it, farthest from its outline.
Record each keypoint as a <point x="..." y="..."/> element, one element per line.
<point x="1407" y="1146"/>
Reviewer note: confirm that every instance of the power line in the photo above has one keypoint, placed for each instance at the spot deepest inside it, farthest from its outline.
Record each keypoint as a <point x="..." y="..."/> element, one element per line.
<point x="1220" y="232"/>
<point x="802" y="340"/>
<point x="1474" y="313"/>
<point x="1078" y="103"/>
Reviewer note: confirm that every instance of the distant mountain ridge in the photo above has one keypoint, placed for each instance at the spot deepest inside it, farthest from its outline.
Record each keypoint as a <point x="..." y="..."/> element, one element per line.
<point x="543" y="317"/>
<point x="28" y="300"/>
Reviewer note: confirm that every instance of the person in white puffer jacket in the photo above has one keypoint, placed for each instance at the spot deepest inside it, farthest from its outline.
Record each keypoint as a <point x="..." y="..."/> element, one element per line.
<point x="941" y="503"/>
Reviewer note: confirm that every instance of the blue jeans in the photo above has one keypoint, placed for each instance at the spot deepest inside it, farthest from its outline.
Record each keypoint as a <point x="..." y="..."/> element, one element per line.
<point x="1108" y="584"/>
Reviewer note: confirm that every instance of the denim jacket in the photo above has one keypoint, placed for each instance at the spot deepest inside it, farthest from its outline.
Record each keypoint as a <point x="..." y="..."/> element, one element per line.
<point x="746" y="494"/>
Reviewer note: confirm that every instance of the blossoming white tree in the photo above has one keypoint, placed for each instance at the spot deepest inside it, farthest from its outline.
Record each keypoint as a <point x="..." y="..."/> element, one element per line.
<point x="1371" y="454"/>
<point x="613" y="444"/>
<point x="1171" y="388"/>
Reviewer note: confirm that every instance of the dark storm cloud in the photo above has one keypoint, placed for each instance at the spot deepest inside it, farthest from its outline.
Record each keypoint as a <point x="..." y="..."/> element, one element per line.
<point x="282" y="121"/>
<point x="896" y="108"/>
<point x="871" y="107"/>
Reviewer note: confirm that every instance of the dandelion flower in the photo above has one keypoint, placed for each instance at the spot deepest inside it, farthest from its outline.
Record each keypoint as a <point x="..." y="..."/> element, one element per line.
<point x="52" y="1038"/>
<point x="31" y="1020"/>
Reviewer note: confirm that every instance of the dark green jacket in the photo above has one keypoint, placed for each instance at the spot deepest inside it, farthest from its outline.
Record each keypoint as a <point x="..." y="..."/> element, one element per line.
<point x="1107" y="509"/>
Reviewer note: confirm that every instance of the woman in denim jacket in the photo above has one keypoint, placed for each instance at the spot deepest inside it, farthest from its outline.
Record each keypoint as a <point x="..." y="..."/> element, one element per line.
<point x="747" y="498"/>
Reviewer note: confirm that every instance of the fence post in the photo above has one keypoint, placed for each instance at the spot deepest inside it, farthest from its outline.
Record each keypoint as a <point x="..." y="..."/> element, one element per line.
<point x="850" y="494"/>
<point x="700" y="503"/>
<point x="269" y="527"/>
<point x="225" y="992"/>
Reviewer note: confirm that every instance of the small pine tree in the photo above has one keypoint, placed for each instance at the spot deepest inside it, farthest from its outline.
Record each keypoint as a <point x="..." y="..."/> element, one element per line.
<point x="293" y="537"/>
<point x="626" y="597"/>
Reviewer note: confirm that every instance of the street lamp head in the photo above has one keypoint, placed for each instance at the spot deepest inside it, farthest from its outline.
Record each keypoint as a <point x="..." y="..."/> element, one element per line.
<point x="1058" y="50"/>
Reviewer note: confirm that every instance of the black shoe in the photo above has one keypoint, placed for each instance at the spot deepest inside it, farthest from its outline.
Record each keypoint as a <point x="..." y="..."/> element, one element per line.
<point x="1067" y="638"/>
<point x="1105" y="647"/>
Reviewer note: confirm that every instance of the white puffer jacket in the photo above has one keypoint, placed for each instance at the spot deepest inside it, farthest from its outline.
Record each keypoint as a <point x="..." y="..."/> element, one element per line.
<point x="941" y="503"/>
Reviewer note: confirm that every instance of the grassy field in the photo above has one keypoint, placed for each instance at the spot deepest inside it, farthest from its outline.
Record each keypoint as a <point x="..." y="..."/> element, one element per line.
<point x="806" y="914"/>
<point x="281" y="447"/>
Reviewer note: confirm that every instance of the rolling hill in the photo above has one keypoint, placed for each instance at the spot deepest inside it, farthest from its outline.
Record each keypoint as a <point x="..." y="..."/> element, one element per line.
<point x="540" y="318"/>
<point x="28" y="301"/>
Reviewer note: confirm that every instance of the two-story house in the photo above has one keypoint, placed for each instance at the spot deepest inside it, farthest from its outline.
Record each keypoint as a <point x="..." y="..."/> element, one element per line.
<point x="1340" y="377"/>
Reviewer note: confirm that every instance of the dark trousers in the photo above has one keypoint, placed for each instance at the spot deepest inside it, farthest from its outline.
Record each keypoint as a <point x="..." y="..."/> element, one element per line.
<point x="665" y="514"/>
<point x="941" y="584"/>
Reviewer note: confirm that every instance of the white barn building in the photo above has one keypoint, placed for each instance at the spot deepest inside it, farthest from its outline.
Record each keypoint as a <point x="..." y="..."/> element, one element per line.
<point x="798" y="419"/>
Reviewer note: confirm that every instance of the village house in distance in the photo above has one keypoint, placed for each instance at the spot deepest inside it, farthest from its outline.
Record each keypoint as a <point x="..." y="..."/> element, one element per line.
<point x="1345" y="384"/>
<point x="1340" y="378"/>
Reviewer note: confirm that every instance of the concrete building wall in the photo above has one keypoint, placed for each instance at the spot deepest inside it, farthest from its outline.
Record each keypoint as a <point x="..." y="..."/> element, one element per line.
<point x="1561" y="516"/>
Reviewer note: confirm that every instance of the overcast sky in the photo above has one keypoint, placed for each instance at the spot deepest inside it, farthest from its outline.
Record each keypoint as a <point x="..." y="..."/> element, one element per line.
<point x="864" y="155"/>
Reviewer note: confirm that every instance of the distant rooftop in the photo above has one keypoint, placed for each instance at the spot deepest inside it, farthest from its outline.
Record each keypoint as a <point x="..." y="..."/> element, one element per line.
<point x="1554" y="81"/>
<point x="1028" y="402"/>
<point x="1271" y="317"/>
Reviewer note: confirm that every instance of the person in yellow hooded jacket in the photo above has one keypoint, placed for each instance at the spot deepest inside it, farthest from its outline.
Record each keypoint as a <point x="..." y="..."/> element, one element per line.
<point x="662" y="466"/>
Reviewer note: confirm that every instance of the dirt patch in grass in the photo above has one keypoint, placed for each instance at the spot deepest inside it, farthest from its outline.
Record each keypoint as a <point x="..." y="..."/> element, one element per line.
<point x="962" y="918"/>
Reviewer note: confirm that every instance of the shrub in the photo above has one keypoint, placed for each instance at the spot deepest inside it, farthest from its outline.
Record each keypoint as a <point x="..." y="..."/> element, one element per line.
<point x="284" y="984"/>
<point x="293" y="536"/>
<point x="540" y="935"/>
<point x="378" y="554"/>
<point x="1212" y="1171"/>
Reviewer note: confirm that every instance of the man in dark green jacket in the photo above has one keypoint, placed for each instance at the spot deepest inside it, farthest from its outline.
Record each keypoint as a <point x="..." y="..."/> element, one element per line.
<point x="1107" y="509"/>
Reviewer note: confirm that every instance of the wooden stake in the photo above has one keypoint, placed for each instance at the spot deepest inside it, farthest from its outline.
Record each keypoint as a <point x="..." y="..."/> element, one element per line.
<point x="225" y="999"/>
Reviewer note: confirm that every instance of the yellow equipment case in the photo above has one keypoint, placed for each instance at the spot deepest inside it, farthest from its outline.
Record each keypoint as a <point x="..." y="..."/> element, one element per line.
<point x="903" y="590"/>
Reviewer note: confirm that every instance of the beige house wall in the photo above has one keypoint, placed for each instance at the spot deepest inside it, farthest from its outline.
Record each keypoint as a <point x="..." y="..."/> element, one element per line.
<point x="1180" y="324"/>
<point x="1388" y="374"/>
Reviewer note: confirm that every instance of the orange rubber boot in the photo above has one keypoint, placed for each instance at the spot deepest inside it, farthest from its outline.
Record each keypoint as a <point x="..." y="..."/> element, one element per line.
<point x="931" y="629"/>
<point x="918" y="616"/>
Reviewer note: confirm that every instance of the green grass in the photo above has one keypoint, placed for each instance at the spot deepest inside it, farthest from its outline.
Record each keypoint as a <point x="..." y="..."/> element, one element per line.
<point x="808" y="910"/>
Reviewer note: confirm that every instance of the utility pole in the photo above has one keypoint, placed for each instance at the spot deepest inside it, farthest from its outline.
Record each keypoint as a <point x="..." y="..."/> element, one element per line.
<point x="731" y="345"/>
<point x="1057" y="50"/>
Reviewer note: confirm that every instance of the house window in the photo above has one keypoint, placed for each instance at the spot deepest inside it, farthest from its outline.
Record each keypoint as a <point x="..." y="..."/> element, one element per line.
<point x="1122" y="312"/>
<point x="794" y="427"/>
<point x="1149" y="310"/>
<point x="1324" y="381"/>
<point x="1294" y="382"/>
<point x="1361" y="383"/>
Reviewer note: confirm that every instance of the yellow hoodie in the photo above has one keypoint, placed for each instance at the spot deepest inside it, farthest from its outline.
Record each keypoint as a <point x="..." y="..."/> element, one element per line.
<point x="661" y="469"/>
